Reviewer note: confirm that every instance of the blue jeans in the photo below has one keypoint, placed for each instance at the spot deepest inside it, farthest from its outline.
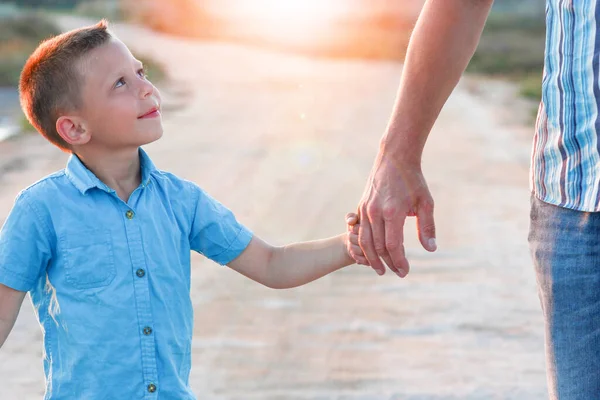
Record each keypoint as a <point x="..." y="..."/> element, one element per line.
<point x="565" y="246"/>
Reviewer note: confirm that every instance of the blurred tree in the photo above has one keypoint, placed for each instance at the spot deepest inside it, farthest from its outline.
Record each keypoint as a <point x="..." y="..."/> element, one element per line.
<point x="20" y="33"/>
<point x="522" y="8"/>
<point x="62" y="4"/>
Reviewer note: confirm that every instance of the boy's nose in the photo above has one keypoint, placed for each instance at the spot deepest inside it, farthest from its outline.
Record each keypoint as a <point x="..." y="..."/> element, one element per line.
<point x="146" y="89"/>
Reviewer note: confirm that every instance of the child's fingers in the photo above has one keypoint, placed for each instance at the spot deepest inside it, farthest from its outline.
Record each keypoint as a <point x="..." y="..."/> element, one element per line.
<point x="353" y="228"/>
<point x="357" y="254"/>
<point x="356" y="250"/>
<point x="361" y="260"/>
<point x="351" y="218"/>
<point x="353" y="238"/>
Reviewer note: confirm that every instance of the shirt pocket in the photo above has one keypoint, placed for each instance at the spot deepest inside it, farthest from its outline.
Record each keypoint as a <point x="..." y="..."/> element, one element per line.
<point x="88" y="259"/>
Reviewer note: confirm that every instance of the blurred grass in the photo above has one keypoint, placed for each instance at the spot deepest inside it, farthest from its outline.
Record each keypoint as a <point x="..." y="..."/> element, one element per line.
<point x="24" y="125"/>
<point x="531" y="86"/>
<point x="155" y="71"/>
<point x="513" y="47"/>
<point x="22" y="30"/>
<point x="98" y="9"/>
<point x="20" y="33"/>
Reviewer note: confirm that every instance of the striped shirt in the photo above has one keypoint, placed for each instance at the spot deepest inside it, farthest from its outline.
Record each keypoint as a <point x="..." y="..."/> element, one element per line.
<point x="566" y="150"/>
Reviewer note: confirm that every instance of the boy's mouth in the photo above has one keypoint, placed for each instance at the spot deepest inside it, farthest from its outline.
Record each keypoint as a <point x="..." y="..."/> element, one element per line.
<point x="152" y="113"/>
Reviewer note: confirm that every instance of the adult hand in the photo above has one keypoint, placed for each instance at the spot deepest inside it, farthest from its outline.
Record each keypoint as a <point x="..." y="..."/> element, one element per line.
<point x="394" y="191"/>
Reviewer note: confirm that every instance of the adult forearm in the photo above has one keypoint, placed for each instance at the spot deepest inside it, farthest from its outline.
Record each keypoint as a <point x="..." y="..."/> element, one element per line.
<point x="299" y="263"/>
<point x="441" y="46"/>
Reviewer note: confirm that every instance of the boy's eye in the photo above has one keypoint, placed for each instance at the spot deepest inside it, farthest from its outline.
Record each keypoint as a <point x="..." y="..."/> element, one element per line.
<point x="141" y="72"/>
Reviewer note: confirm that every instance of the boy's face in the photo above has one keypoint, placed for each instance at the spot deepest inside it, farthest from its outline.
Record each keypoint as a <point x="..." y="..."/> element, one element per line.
<point x="121" y="108"/>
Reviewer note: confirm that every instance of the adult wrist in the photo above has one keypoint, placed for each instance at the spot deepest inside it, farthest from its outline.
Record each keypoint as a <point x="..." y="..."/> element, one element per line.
<point x="400" y="150"/>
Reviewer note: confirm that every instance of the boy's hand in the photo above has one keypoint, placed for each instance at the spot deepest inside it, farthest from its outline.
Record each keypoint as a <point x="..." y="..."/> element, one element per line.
<point x="352" y="240"/>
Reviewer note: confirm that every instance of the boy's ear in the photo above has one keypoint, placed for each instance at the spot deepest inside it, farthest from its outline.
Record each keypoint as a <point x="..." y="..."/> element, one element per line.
<point x="72" y="130"/>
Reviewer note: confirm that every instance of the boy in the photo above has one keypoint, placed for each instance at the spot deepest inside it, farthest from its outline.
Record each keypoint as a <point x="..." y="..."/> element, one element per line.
<point x="103" y="246"/>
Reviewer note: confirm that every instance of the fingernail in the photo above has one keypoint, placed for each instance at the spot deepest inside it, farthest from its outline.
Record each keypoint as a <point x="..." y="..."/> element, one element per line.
<point x="432" y="244"/>
<point x="348" y="220"/>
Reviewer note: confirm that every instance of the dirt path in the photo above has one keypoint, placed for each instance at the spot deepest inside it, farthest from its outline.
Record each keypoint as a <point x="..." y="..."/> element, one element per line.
<point x="287" y="143"/>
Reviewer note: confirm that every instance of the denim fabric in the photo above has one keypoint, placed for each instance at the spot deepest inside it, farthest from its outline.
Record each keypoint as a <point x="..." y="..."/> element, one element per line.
<point x="565" y="246"/>
<point x="110" y="280"/>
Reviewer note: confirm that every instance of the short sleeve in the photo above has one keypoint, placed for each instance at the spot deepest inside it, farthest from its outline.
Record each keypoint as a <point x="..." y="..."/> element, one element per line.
<point x="24" y="246"/>
<point x="215" y="232"/>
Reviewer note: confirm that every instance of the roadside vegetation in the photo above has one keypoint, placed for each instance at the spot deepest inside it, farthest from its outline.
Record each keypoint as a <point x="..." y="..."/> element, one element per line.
<point x="20" y="33"/>
<point x="23" y="28"/>
<point x="512" y="45"/>
<point x="513" y="48"/>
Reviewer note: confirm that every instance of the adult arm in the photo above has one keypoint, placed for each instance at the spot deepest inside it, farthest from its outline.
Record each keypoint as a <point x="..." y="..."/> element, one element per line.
<point x="441" y="46"/>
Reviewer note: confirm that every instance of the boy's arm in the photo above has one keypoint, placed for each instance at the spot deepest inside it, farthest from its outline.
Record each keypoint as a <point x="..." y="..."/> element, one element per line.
<point x="292" y="265"/>
<point x="10" y="304"/>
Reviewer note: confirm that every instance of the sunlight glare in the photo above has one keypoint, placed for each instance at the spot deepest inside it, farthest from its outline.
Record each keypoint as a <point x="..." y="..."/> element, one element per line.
<point x="296" y="20"/>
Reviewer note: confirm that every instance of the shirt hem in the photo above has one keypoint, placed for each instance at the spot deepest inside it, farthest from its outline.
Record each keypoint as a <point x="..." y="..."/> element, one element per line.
<point x="238" y="245"/>
<point x="556" y="202"/>
<point x="14" y="281"/>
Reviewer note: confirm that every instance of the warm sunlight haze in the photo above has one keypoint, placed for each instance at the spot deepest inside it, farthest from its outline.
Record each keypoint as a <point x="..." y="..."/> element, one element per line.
<point x="295" y="21"/>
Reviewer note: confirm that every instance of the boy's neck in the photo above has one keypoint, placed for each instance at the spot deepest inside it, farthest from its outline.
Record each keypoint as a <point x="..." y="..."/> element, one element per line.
<point x="118" y="170"/>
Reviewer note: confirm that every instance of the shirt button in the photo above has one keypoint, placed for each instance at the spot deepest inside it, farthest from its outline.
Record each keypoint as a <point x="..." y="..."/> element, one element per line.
<point x="140" y="273"/>
<point x="152" y="388"/>
<point x="129" y="214"/>
<point x="147" y="330"/>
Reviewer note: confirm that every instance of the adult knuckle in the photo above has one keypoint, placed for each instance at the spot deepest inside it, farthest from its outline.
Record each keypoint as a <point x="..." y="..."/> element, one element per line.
<point x="392" y="245"/>
<point x="372" y="209"/>
<point x="380" y="247"/>
<point x="363" y="208"/>
<point x="389" y="211"/>
<point x="427" y="204"/>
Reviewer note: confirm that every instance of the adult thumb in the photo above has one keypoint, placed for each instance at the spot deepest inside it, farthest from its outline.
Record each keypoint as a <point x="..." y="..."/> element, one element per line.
<point x="426" y="227"/>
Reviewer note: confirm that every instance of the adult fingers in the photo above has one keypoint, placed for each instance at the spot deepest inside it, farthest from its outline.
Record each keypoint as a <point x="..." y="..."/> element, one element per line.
<point x="426" y="225"/>
<point x="378" y="232"/>
<point x="388" y="261"/>
<point x="365" y="240"/>
<point x="394" y="243"/>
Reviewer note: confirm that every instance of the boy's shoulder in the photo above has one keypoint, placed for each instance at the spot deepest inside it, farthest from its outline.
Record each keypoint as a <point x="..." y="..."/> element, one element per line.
<point x="183" y="188"/>
<point x="44" y="187"/>
<point x="166" y="178"/>
<point x="58" y="184"/>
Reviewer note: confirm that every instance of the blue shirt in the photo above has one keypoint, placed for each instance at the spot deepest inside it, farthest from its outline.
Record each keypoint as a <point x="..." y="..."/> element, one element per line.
<point x="566" y="150"/>
<point x="110" y="281"/>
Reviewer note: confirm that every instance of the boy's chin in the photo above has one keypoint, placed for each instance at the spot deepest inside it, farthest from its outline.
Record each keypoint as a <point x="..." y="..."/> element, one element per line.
<point x="152" y="137"/>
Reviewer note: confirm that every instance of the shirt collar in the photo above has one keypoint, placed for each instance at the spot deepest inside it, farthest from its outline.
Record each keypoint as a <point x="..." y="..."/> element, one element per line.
<point x="84" y="179"/>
